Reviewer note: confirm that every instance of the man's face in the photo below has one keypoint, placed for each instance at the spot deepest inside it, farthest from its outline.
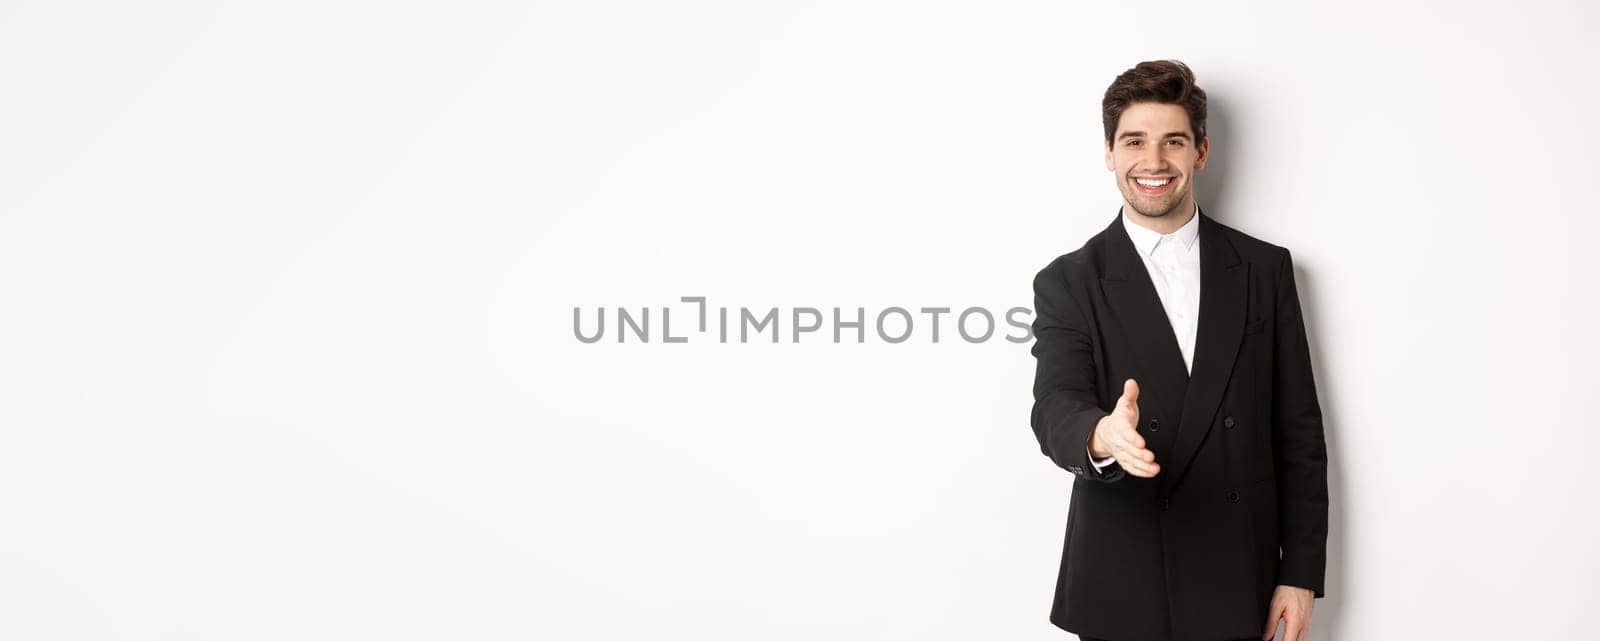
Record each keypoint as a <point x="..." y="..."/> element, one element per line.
<point x="1155" y="157"/>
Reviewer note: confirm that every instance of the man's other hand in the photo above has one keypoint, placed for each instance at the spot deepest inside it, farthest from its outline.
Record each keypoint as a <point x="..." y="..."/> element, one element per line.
<point x="1117" y="435"/>
<point x="1293" y="606"/>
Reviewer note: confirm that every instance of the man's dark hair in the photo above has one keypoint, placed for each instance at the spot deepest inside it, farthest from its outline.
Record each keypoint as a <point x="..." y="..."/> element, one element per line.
<point x="1163" y="81"/>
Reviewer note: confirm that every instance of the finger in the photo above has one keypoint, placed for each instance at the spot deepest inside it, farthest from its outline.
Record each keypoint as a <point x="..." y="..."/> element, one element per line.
<point x="1138" y="453"/>
<point x="1127" y="462"/>
<point x="1133" y="464"/>
<point x="1133" y="444"/>
<point x="1139" y="467"/>
<point x="1133" y="439"/>
<point x="1126" y="453"/>
<point x="1145" y="459"/>
<point x="1140" y="470"/>
<point x="1292" y="628"/>
<point x="1273" y="613"/>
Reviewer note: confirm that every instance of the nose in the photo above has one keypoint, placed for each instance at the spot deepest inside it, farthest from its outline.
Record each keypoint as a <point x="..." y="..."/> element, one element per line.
<point x="1150" y="158"/>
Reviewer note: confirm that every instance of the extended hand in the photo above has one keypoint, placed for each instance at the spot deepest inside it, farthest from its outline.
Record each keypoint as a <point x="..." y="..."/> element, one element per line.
<point x="1293" y="605"/>
<point x="1117" y="435"/>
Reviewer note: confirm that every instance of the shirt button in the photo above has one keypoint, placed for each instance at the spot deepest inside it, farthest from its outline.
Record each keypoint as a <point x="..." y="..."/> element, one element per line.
<point x="1233" y="497"/>
<point x="1227" y="422"/>
<point x="1155" y="425"/>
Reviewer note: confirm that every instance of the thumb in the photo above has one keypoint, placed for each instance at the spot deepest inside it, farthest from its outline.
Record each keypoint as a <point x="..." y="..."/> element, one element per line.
<point x="1130" y="395"/>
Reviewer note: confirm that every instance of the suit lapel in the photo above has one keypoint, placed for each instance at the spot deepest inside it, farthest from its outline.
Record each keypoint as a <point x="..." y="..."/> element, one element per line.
<point x="1223" y="285"/>
<point x="1127" y="286"/>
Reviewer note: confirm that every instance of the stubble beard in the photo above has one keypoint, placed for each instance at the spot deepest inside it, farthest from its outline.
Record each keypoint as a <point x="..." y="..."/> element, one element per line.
<point x="1134" y="198"/>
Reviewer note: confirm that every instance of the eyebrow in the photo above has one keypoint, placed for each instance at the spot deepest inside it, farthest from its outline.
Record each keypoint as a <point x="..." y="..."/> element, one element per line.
<point x="1139" y="134"/>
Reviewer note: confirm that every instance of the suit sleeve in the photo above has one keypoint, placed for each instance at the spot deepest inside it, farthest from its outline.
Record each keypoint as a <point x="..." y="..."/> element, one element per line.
<point x="1065" y="405"/>
<point x="1300" y="453"/>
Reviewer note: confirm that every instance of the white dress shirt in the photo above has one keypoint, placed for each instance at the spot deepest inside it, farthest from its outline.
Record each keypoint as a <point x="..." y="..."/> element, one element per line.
<point x="1173" y="261"/>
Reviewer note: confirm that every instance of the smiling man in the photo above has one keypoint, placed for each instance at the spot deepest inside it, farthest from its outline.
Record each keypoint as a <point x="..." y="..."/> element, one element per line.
<point x="1174" y="382"/>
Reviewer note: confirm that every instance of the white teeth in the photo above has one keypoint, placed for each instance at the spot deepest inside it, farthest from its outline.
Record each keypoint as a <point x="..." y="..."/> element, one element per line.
<point x="1152" y="182"/>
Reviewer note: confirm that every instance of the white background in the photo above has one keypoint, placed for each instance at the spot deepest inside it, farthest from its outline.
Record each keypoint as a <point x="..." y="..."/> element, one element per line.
<point x="286" y="346"/>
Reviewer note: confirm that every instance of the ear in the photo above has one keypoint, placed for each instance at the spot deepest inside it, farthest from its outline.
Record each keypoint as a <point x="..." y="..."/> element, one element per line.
<point x="1205" y="150"/>
<point x="1111" y="163"/>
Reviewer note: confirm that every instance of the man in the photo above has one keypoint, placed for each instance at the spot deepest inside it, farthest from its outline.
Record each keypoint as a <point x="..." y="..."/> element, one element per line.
<point x="1175" y="383"/>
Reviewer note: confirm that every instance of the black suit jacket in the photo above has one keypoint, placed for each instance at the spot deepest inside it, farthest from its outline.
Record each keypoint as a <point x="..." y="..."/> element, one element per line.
<point x="1241" y="501"/>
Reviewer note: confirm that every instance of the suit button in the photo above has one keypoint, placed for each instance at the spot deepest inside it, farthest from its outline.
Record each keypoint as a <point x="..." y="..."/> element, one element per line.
<point x="1233" y="497"/>
<point x="1162" y="503"/>
<point x="1155" y="425"/>
<point x="1227" y="422"/>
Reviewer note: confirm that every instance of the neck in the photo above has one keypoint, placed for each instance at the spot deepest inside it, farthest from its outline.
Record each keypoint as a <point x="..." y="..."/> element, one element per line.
<point x="1162" y="224"/>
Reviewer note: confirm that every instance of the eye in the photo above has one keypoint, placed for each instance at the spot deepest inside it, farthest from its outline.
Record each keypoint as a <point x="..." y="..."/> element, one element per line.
<point x="1133" y="143"/>
<point x="1175" y="142"/>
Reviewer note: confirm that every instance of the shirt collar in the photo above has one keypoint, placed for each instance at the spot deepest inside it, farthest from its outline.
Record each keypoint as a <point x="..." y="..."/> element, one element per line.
<point x="1145" y="239"/>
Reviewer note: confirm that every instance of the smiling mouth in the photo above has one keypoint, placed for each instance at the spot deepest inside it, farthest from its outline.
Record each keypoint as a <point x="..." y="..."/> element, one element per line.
<point x="1153" y="184"/>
